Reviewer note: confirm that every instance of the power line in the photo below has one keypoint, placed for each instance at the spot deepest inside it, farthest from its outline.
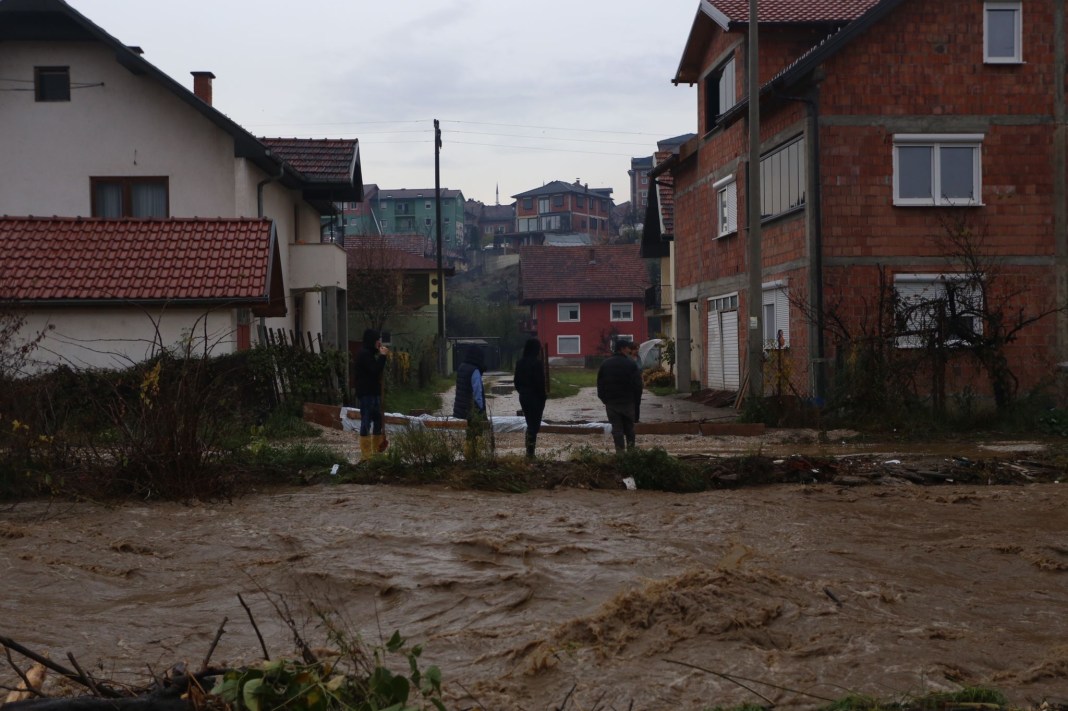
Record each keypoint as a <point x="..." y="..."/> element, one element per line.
<point x="537" y="148"/>
<point x="547" y="138"/>
<point x="555" y="128"/>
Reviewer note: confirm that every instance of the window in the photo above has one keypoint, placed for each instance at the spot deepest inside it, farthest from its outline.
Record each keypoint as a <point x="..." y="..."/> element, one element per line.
<point x="726" y="206"/>
<point x="617" y="338"/>
<point x="580" y="201"/>
<point x="568" y="345"/>
<point x="719" y="92"/>
<point x="415" y="290"/>
<point x="528" y="203"/>
<point x="558" y="200"/>
<point x="403" y="208"/>
<point x="1003" y="32"/>
<point x="543" y="205"/>
<point x="940" y="169"/>
<point x="724" y="303"/>
<point x="528" y="224"/>
<point x="776" y="315"/>
<point x="568" y="312"/>
<point x="427" y="205"/>
<point x="427" y="221"/>
<point x="550" y="222"/>
<point x="945" y="309"/>
<point x="782" y="179"/>
<point x="623" y="312"/>
<point x="129" y="197"/>
<point x="51" y="83"/>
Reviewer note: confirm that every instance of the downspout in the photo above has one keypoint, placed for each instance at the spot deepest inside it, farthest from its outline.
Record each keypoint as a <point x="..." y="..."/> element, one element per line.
<point x="259" y="213"/>
<point x="818" y="359"/>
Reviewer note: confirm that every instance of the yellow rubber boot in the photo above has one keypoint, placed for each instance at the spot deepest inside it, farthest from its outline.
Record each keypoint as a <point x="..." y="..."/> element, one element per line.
<point x="367" y="447"/>
<point x="378" y="444"/>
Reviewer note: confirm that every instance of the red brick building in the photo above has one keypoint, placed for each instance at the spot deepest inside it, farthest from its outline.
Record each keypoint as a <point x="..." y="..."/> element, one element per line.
<point x="582" y="299"/>
<point x="565" y="207"/>
<point x="885" y="125"/>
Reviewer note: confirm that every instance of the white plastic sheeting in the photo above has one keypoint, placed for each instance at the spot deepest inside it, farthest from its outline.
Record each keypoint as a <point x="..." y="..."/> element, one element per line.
<point x="500" y="424"/>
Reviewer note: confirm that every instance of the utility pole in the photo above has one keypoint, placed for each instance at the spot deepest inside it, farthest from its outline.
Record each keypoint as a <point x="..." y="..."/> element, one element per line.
<point x="755" y="337"/>
<point x="441" y="271"/>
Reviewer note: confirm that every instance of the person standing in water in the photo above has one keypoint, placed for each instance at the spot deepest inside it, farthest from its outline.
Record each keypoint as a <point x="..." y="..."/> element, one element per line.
<point x="530" y="384"/>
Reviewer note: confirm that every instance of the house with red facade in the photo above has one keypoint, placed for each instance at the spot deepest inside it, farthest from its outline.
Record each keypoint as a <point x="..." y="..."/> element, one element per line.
<point x="583" y="299"/>
<point x="565" y="207"/>
<point x="894" y="136"/>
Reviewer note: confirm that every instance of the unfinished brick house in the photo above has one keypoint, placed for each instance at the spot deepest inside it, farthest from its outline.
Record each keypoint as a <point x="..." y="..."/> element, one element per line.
<point x="885" y="126"/>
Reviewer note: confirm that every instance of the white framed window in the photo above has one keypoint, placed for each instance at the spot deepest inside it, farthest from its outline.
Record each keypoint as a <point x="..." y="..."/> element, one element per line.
<point x="623" y="311"/>
<point x="619" y="337"/>
<point x="724" y="303"/>
<point x="543" y="205"/>
<point x="1003" y="32"/>
<point x="938" y="169"/>
<point x="528" y="224"/>
<point x="568" y="345"/>
<point x="426" y="205"/>
<point x="776" y="315"/>
<point x="944" y="309"/>
<point x="568" y="313"/>
<point x="726" y="191"/>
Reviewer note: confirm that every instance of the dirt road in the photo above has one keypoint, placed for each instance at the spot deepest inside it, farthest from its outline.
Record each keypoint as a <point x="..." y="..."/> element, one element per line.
<point x="609" y="599"/>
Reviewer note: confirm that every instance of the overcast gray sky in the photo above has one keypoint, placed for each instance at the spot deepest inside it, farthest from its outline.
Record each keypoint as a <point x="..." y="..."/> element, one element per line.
<point x="526" y="92"/>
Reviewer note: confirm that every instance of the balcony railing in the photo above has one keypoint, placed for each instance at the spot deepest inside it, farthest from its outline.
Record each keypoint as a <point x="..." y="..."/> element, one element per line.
<point x="658" y="296"/>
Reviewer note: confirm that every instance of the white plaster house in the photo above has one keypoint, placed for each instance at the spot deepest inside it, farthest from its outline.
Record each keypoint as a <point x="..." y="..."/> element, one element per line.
<point x="90" y="129"/>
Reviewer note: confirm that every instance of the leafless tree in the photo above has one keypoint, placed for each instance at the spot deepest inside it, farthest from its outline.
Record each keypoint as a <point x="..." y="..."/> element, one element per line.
<point x="377" y="283"/>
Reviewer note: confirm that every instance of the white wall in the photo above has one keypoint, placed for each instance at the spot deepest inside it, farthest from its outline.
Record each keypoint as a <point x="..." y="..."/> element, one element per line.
<point x="129" y="126"/>
<point x="100" y="338"/>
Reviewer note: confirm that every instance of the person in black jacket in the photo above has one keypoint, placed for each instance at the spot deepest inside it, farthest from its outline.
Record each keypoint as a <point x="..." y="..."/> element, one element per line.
<point x="470" y="401"/>
<point x="619" y="387"/>
<point x="370" y="366"/>
<point x="530" y="384"/>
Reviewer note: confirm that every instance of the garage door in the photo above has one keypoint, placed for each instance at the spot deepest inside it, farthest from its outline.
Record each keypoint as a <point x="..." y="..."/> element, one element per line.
<point x="723" y="343"/>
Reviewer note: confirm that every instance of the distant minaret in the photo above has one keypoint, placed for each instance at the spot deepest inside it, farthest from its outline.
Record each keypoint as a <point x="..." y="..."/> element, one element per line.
<point x="498" y="194"/>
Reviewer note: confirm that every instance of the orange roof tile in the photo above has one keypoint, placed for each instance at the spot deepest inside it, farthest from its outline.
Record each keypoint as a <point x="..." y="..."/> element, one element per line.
<point x="68" y="259"/>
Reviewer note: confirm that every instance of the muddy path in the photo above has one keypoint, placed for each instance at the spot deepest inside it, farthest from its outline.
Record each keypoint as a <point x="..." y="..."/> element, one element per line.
<point x="599" y="597"/>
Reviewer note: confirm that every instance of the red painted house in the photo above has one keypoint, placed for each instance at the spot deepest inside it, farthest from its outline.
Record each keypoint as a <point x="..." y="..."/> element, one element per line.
<point x="885" y="126"/>
<point x="582" y="299"/>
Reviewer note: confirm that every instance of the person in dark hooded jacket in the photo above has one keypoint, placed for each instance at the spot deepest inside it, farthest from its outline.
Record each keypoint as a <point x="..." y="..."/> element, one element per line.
<point x="370" y="367"/>
<point x="619" y="387"/>
<point x="470" y="401"/>
<point x="530" y="384"/>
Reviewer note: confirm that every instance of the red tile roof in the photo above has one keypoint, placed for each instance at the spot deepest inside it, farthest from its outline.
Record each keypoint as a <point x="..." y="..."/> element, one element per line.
<point x="795" y="10"/>
<point x="582" y="273"/>
<point x="318" y="159"/>
<point x="408" y="242"/>
<point x="61" y="259"/>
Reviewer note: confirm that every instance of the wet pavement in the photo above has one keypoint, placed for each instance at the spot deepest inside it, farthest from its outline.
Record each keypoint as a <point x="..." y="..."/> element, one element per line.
<point x="585" y="407"/>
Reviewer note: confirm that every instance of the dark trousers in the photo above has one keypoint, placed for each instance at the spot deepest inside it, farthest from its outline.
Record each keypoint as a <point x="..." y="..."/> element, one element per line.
<point x="533" y="409"/>
<point x="370" y="415"/>
<point x="621" y="417"/>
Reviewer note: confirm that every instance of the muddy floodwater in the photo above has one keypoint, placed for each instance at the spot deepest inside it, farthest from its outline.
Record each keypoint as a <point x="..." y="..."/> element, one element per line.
<point x="603" y="599"/>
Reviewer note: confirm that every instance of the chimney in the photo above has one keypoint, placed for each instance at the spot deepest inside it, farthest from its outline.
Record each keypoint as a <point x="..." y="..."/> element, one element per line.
<point x="135" y="49"/>
<point x="202" y="86"/>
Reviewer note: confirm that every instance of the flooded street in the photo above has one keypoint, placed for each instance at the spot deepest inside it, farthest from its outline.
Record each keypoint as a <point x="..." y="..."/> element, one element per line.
<point x="602" y="598"/>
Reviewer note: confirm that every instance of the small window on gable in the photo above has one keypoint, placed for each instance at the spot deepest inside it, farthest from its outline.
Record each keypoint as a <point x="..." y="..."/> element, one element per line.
<point x="937" y="309"/>
<point x="51" y="83"/>
<point x="940" y="169"/>
<point x="726" y="206"/>
<point x="1003" y="32"/>
<point x="622" y="312"/>
<point x="568" y="312"/>
<point x="719" y="92"/>
<point x="114" y="197"/>
<point x="776" y="313"/>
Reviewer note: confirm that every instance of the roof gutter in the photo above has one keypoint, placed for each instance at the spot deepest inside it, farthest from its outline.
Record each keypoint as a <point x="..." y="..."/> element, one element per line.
<point x="815" y="285"/>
